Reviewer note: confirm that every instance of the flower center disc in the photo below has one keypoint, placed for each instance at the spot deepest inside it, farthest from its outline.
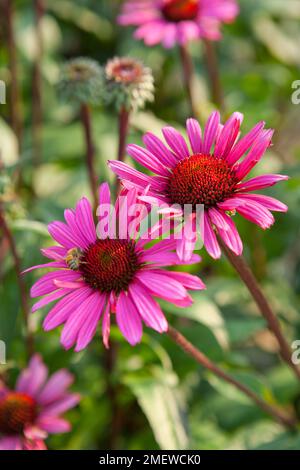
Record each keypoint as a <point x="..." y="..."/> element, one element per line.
<point x="180" y="10"/>
<point x="201" y="179"/>
<point x="110" y="265"/>
<point x="16" y="410"/>
<point x="79" y="72"/>
<point x="124" y="70"/>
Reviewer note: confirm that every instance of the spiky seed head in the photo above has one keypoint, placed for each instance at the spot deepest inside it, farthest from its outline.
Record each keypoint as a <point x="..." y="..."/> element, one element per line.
<point x="81" y="81"/>
<point x="127" y="83"/>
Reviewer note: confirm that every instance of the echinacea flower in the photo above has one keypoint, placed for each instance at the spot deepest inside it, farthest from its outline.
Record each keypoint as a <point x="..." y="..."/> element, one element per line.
<point x="177" y="21"/>
<point x="127" y="83"/>
<point x="32" y="411"/>
<point x="210" y="173"/>
<point x="97" y="274"/>
<point x="80" y="81"/>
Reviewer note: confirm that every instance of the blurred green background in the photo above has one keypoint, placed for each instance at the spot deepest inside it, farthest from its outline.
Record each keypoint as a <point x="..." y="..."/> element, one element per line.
<point x="161" y="398"/>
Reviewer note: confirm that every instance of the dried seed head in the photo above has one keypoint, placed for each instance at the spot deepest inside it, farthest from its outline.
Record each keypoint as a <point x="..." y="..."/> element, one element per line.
<point x="128" y="83"/>
<point x="81" y="81"/>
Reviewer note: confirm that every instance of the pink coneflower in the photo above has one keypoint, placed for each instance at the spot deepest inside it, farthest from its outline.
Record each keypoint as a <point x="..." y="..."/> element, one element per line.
<point x="210" y="173"/>
<point x="32" y="411"/>
<point x="177" y="21"/>
<point x="95" y="276"/>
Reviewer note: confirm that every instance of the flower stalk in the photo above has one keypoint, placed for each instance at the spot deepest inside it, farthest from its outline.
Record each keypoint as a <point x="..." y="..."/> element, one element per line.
<point x="124" y="115"/>
<point x="276" y="413"/>
<point x="37" y="111"/>
<point x="85" y="116"/>
<point x="15" y="93"/>
<point x="123" y="130"/>
<point x="188" y="72"/>
<point x="214" y="74"/>
<point x="21" y="284"/>
<point x="241" y="267"/>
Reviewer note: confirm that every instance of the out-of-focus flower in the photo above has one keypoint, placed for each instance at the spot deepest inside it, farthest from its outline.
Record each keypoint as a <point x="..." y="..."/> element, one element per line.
<point x="177" y="21"/>
<point x="30" y="412"/>
<point x="80" y="81"/>
<point x="97" y="274"/>
<point x="209" y="173"/>
<point x="127" y="83"/>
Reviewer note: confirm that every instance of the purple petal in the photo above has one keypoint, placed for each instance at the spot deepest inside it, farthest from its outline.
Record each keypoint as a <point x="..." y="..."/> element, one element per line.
<point x="10" y="443"/>
<point x="261" y="182"/>
<point x="148" y="308"/>
<point x="141" y="181"/>
<point x="106" y="325"/>
<point x="55" y="387"/>
<point x="78" y="317"/>
<point x="104" y="194"/>
<point x="167" y="259"/>
<point x="227" y="137"/>
<point x="33" y="378"/>
<point x="88" y="330"/>
<point x="162" y="246"/>
<point x="186" y="244"/>
<point x="58" y="253"/>
<point x="161" y="285"/>
<point x="45" y="285"/>
<point x="53" y="264"/>
<point x="151" y="32"/>
<point x="53" y="425"/>
<point x="257" y="151"/>
<point x="231" y="236"/>
<point x="210" y="132"/>
<point x="147" y="159"/>
<point x="61" y="405"/>
<point x="49" y="298"/>
<point x="245" y="143"/>
<point x="161" y="152"/>
<point x="189" y="281"/>
<point x="70" y="218"/>
<point x="85" y="220"/>
<point x="195" y="135"/>
<point x="63" y="309"/>
<point x="128" y="319"/>
<point x="218" y="219"/>
<point x="268" y="202"/>
<point x="63" y="235"/>
<point x="170" y="35"/>
<point x="176" y="142"/>
<point x="209" y="237"/>
<point x="256" y="213"/>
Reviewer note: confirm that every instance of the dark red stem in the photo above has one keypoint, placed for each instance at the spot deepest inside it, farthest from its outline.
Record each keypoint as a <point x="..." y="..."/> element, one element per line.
<point x="188" y="72"/>
<point x="15" y="93"/>
<point x="90" y="151"/>
<point x="37" y="111"/>
<point x="214" y="74"/>
<point x="21" y="284"/>
<point x="245" y="273"/>
<point x="123" y="131"/>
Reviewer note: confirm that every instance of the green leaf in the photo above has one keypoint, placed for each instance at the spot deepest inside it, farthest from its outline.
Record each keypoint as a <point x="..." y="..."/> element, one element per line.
<point x="250" y="380"/>
<point x="159" y="398"/>
<point x="205" y="312"/>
